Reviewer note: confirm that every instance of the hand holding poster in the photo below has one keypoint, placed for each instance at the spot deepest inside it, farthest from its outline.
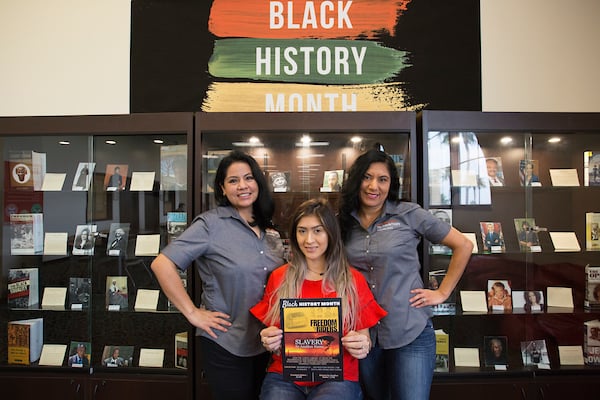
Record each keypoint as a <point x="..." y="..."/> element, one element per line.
<point x="312" y="332"/>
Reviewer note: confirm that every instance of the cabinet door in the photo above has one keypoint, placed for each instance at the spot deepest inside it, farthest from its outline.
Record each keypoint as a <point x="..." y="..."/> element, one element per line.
<point x="31" y="386"/>
<point x="304" y="155"/>
<point x="490" y="389"/>
<point x="564" y="387"/>
<point x="525" y="188"/>
<point x="139" y="387"/>
<point x="88" y="203"/>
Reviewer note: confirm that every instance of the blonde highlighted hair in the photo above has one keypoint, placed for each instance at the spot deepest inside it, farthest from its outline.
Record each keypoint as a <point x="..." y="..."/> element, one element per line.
<point x="337" y="277"/>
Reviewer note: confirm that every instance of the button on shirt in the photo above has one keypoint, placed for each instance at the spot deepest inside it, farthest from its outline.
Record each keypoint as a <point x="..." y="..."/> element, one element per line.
<point x="386" y="254"/>
<point x="233" y="264"/>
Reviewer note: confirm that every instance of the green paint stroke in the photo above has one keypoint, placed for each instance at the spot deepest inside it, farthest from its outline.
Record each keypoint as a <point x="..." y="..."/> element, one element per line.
<point x="306" y="61"/>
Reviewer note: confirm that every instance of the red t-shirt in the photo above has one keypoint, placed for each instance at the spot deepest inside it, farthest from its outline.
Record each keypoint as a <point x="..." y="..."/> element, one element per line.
<point x="370" y="313"/>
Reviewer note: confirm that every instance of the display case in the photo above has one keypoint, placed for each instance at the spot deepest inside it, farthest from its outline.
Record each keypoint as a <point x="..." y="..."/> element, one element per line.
<point x="303" y="154"/>
<point x="525" y="188"/>
<point x="88" y="202"/>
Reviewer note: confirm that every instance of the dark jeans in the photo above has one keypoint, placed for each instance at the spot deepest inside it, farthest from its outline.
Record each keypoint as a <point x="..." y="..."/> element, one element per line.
<point x="277" y="388"/>
<point x="231" y="377"/>
<point x="404" y="373"/>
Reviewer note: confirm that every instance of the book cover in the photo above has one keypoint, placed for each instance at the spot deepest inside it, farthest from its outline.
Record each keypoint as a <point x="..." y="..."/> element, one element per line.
<point x="535" y="353"/>
<point x="181" y="350"/>
<point x="115" y="177"/>
<point x="117" y="298"/>
<point x="27" y="169"/>
<point x="176" y="224"/>
<point x="80" y="293"/>
<point x="499" y="296"/>
<point x="23" y="288"/>
<point x="83" y="176"/>
<point x="84" y="241"/>
<point x="280" y="181"/>
<point x="492" y="237"/>
<point x="27" y="234"/>
<point x="25" y="340"/>
<point x="527" y="234"/>
<point x="311" y="345"/>
<point x="79" y="354"/>
<point x="592" y="287"/>
<point x="591" y="168"/>
<point x="442" y="351"/>
<point x="117" y="356"/>
<point x="332" y="180"/>
<point x="591" y="342"/>
<point x="592" y="231"/>
<point x="448" y="307"/>
<point x="173" y="167"/>
<point x="495" y="350"/>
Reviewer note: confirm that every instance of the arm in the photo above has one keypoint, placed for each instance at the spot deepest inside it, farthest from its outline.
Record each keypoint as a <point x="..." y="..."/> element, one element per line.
<point x="170" y="282"/>
<point x="461" y="252"/>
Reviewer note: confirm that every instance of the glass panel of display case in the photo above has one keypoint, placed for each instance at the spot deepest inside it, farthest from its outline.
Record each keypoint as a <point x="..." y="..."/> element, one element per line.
<point x="457" y="162"/>
<point x="527" y="195"/>
<point x="303" y="160"/>
<point x="80" y="196"/>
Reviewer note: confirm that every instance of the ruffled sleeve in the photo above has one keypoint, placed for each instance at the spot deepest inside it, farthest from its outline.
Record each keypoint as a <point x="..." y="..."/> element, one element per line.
<point x="261" y="309"/>
<point x="370" y="312"/>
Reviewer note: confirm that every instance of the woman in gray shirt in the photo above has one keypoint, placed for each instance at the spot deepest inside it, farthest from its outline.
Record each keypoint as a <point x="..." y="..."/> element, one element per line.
<point x="381" y="234"/>
<point x="234" y="248"/>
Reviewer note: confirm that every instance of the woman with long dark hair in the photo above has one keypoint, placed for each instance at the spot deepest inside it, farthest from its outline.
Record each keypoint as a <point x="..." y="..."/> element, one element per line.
<point x="234" y="248"/>
<point x="381" y="234"/>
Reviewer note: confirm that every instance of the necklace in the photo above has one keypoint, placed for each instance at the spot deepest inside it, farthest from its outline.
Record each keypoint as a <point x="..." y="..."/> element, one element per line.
<point x="252" y="223"/>
<point x="315" y="272"/>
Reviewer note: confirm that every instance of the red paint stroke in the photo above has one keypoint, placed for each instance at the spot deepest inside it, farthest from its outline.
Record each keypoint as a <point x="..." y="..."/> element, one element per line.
<point x="251" y="19"/>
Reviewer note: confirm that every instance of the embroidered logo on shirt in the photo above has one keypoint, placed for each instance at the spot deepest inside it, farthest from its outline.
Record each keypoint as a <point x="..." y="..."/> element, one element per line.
<point x="388" y="226"/>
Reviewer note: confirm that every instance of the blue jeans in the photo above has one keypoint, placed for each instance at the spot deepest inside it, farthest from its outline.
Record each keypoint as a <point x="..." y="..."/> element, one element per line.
<point x="276" y="388"/>
<point x="404" y="373"/>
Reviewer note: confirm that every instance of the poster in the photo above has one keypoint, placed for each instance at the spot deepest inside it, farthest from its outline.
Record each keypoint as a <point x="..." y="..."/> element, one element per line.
<point x="312" y="332"/>
<point x="275" y="56"/>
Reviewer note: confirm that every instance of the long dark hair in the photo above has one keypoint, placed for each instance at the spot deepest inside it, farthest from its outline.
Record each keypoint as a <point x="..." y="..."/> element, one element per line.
<point x="351" y="188"/>
<point x="264" y="206"/>
<point x="337" y="277"/>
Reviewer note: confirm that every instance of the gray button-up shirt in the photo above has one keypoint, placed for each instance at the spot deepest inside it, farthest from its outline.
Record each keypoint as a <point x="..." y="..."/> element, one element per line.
<point x="386" y="254"/>
<point x="233" y="264"/>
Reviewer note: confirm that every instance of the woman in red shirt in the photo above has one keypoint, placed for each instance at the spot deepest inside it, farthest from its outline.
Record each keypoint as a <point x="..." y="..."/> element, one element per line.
<point x="318" y="269"/>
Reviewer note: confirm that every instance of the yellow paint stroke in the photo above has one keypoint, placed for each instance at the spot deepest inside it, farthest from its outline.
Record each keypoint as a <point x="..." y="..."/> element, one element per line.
<point x="261" y="97"/>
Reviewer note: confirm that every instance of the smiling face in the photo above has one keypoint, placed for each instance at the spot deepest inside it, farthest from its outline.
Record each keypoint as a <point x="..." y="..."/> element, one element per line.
<point x="240" y="187"/>
<point x="531" y="297"/>
<point x="375" y="186"/>
<point x="492" y="168"/>
<point x="312" y="238"/>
